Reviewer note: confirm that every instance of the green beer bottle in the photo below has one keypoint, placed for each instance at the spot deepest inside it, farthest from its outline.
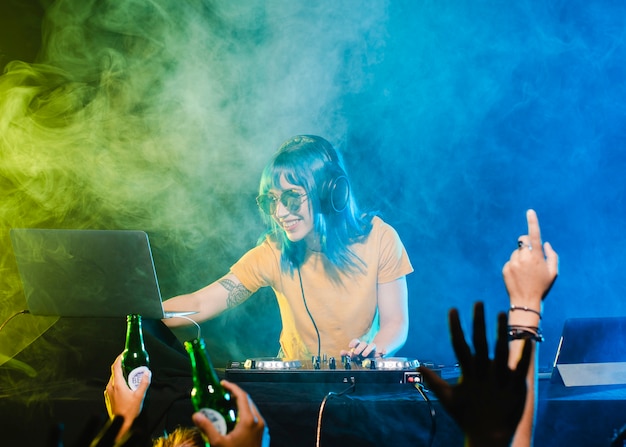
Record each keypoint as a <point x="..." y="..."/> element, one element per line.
<point x="135" y="359"/>
<point x="208" y="395"/>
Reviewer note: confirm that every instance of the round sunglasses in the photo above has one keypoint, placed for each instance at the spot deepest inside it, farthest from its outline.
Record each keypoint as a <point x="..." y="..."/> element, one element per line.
<point x="291" y="200"/>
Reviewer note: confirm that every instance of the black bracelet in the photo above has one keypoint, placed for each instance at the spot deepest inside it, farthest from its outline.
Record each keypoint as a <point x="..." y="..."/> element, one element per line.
<point x="525" y="309"/>
<point x="534" y="329"/>
<point x="525" y="333"/>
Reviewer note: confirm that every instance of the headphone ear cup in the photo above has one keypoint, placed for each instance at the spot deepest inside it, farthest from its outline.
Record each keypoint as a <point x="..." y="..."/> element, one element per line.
<point x="335" y="195"/>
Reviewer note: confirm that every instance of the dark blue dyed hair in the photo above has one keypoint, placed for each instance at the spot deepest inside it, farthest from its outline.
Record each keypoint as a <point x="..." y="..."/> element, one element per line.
<point x="311" y="162"/>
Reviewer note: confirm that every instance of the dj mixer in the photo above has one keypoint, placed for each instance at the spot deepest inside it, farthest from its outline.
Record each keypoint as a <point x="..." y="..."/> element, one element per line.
<point x="325" y="370"/>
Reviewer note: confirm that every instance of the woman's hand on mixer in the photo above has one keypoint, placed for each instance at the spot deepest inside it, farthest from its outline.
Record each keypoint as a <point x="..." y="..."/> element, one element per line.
<point x="361" y="349"/>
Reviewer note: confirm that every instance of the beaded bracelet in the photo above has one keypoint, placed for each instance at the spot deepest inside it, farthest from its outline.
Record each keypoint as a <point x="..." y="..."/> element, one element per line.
<point x="525" y="333"/>
<point x="525" y="309"/>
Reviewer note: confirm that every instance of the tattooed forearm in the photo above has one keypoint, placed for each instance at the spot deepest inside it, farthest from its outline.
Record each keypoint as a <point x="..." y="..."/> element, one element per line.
<point x="237" y="293"/>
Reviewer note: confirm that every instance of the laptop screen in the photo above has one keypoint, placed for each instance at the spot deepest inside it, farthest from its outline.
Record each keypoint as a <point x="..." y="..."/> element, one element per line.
<point x="87" y="273"/>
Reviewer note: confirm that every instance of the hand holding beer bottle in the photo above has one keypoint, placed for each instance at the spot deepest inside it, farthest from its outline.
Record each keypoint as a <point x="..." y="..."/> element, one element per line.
<point x="208" y="396"/>
<point x="135" y="359"/>
<point x="251" y="429"/>
<point x="120" y="400"/>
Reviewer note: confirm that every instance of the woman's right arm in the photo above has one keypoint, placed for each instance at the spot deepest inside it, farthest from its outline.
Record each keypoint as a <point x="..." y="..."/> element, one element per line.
<point x="208" y="302"/>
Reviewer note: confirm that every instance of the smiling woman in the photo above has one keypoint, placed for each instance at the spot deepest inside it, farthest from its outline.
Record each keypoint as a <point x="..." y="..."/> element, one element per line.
<point x="289" y="213"/>
<point x="338" y="273"/>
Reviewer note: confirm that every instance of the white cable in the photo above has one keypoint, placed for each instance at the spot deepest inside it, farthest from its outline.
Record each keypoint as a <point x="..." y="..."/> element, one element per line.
<point x="192" y="320"/>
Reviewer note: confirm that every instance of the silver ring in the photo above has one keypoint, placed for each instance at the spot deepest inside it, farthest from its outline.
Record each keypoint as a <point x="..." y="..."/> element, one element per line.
<point x="521" y="244"/>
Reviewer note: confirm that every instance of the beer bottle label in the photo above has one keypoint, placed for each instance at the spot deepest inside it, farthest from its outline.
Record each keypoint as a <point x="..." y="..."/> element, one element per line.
<point x="134" y="377"/>
<point x="216" y="418"/>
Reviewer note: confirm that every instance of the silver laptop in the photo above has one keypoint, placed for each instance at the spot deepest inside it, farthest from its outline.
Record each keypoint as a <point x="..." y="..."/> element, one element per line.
<point x="88" y="273"/>
<point x="592" y="351"/>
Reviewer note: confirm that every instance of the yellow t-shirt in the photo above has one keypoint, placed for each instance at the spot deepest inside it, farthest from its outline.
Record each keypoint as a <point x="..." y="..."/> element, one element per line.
<point x="341" y="312"/>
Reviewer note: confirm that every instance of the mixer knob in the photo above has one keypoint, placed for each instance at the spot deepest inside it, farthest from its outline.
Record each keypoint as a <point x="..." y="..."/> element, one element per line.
<point x="316" y="362"/>
<point x="332" y="364"/>
<point x="249" y="364"/>
<point x="347" y="361"/>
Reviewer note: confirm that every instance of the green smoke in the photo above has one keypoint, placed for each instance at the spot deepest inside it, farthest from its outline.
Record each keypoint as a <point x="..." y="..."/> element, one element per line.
<point x="159" y="115"/>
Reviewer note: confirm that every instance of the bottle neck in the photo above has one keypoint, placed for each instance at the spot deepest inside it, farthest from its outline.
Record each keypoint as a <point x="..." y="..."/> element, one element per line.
<point x="134" y="336"/>
<point x="201" y="364"/>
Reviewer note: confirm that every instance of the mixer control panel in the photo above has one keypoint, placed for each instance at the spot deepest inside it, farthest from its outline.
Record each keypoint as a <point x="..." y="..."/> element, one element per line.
<point x="325" y="370"/>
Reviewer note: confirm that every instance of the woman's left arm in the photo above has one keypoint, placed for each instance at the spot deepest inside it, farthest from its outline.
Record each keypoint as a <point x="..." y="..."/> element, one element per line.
<point x="393" y="311"/>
